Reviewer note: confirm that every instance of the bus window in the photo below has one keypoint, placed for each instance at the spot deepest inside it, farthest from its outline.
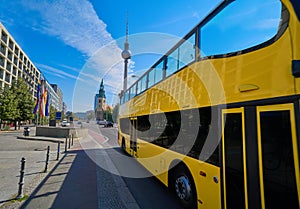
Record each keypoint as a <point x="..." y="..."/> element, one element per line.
<point x="124" y="125"/>
<point x="133" y="91"/>
<point x="172" y="63"/>
<point x="241" y="25"/>
<point x="151" y="78"/>
<point x="138" y="88"/>
<point x="159" y="72"/>
<point x="126" y="96"/>
<point x="187" y="51"/>
<point x="143" y="82"/>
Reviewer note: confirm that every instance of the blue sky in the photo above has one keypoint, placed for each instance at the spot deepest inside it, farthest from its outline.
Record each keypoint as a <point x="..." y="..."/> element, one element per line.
<point x="76" y="43"/>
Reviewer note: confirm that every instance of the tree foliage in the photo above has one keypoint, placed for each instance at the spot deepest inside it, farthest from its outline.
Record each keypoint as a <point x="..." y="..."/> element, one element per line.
<point x="16" y="102"/>
<point x="52" y="113"/>
<point x="9" y="105"/>
<point x="24" y="100"/>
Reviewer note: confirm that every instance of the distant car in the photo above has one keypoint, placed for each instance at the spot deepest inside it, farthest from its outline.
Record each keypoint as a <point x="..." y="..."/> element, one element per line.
<point x="65" y="123"/>
<point x="101" y="122"/>
<point x="109" y="124"/>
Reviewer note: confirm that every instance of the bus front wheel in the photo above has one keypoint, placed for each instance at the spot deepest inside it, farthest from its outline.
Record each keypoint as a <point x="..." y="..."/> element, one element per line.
<point x="184" y="187"/>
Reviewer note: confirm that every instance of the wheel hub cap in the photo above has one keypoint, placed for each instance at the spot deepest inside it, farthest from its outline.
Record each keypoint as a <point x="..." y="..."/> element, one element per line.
<point x="183" y="188"/>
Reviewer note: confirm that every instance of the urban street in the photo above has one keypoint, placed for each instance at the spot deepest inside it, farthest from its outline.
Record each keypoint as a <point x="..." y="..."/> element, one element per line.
<point x="101" y="171"/>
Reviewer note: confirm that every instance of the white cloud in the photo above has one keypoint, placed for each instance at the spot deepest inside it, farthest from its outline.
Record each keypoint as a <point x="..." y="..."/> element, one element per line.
<point x="56" y="72"/>
<point x="77" y="24"/>
<point x="74" y="22"/>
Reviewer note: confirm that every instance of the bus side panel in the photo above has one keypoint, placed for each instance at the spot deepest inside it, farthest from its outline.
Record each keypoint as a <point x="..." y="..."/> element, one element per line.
<point x="206" y="176"/>
<point x="207" y="182"/>
<point x="294" y="30"/>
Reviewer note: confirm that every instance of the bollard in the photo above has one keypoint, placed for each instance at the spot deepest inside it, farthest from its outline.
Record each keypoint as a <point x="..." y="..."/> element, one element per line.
<point x="72" y="139"/>
<point x="66" y="144"/>
<point x="21" y="183"/>
<point x="58" y="150"/>
<point x="47" y="159"/>
<point x="69" y="141"/>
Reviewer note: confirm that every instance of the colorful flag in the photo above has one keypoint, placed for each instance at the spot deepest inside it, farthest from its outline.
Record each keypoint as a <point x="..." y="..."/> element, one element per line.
<point x="36" y="107"/>
<point x="47" y="105"/>
<point x="43" y="98"/>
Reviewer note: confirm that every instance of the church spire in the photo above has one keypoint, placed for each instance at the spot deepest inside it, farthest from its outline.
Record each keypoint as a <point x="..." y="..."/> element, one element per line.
<point x="101" y="90"/>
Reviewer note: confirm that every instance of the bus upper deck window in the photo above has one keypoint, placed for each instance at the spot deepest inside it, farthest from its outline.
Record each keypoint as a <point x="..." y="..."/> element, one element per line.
<point x="243" y="24"/>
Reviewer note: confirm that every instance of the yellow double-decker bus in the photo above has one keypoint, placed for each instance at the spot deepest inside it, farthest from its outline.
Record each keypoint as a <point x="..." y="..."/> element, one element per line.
<point x="220" y="126"/>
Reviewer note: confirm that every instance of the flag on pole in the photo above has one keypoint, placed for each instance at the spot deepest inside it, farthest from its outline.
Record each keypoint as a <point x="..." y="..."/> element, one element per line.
<point x="47" y="104"/>
<point x="43" y="99"/>
<point x="36" y="107"/>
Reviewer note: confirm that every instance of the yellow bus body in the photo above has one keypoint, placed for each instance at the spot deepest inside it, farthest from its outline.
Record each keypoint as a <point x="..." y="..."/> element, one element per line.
<point x="259" y="74"/>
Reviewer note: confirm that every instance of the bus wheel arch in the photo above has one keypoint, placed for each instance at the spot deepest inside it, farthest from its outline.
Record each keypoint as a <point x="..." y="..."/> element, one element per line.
<point x="181" y="184"/>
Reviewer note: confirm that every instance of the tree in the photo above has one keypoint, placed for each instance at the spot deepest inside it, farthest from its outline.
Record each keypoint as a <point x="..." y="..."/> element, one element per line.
<point x="25" y="104"/>
<point x="52" y="113"/>
<point x="9" y="105"/>
<point x="69" y="114"/>
<point x="108" y="113"/>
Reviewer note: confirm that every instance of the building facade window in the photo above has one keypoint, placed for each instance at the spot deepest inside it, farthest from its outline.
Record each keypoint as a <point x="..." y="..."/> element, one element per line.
<point x="9" y="55"/>
<point x="3" y="49"/>
<point x="10" y="44"/>
<point x="17" y="51"/>
<point x="14" y="71"/>
<point x="7" y="77"/>
<point x="8" y="66"/>
<point x="2" y="60"/>
<point x="1" y="74"/>
<point x="4" y="37"/>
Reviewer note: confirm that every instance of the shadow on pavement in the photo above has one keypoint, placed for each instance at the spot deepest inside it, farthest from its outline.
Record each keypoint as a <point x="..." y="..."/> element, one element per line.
<point x="72" y="183"/>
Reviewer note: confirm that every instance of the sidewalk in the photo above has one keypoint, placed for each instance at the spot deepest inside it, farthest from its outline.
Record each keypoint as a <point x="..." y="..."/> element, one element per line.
<point x="12" y="150"/>
<point x="70" y="184"/>
<point x="78" y="182"/>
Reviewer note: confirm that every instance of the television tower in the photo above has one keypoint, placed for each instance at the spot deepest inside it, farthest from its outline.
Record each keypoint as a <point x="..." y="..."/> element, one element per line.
<point x="126" y="55"/>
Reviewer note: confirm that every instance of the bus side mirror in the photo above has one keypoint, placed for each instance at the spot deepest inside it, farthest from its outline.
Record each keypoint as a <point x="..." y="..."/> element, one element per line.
<point x="296" y="68"/>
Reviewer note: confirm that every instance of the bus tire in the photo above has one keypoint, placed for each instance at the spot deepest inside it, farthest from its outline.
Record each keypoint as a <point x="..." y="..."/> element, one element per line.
<point x="123" y="146"/>
<point x="184" y="187"/>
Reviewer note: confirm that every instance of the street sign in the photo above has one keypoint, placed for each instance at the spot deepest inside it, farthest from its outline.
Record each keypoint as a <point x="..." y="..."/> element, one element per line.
<point x="58" y="115"/>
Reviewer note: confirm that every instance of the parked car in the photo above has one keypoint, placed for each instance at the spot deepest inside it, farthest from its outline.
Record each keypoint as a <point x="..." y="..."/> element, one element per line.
<point x="109" y="124"/>
<point x="65" y="123"/>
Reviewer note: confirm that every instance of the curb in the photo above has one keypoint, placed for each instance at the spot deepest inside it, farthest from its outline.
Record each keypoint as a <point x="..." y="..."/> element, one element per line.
<point x="55" y="140"/>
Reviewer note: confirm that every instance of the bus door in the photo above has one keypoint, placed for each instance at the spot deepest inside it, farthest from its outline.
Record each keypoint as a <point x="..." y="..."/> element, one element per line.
<point x="278" y="157"/>
<point x="234" y="187"/>
<point x="133" y="136"/>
